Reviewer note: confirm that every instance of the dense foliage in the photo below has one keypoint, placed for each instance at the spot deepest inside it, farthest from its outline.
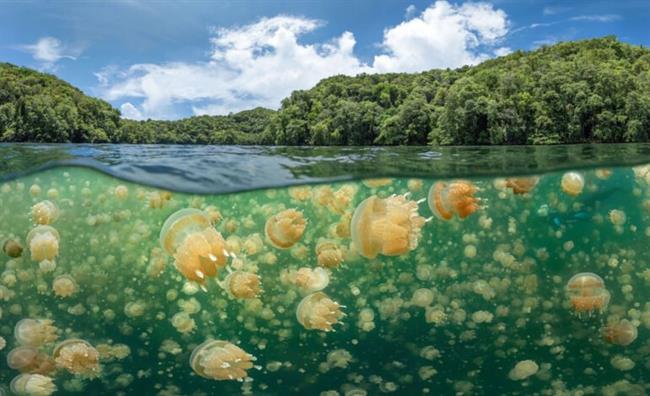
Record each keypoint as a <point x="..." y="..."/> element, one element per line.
<point x="587" y="91"/>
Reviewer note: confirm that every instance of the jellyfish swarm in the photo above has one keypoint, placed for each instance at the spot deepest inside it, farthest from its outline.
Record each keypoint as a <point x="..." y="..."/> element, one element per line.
<point x="620" y="333"/>
<point x="522" y="185"/>
<point x="241" y="284"/>
<point x="389" y="226"/>
<point x="572" y="183"/>
<point x="284" y="229"/>
<point x="587" y="293"/>
<point x="198" y="249"/>
<point x="456" y="197"/>
<point x="35" y="332"/>
<point x="318" y="312"/>
<point x="32" y="385"/>
<point x="221" y="360"/>
<point x="43" y="242"/>
<point x="78" y="357"/>
<point x="45" y="212"/>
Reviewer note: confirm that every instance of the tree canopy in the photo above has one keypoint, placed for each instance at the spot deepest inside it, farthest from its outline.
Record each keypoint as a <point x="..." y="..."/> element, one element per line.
<point x="574" y="92"/>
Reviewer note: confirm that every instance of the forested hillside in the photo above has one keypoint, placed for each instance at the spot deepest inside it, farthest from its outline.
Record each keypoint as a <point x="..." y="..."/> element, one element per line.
<point x="585" y="91"/>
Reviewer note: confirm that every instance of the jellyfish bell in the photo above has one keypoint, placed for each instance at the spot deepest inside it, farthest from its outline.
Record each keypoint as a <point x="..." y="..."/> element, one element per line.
<point x="311" y="280"/>
<point x="447" y="199"/>
<point x="45" y="212"/>
<point x="28" y="359"/>
<point x="242" y="284"/>
<point x="572" y="183"/>
<point x="620" y="333"/>
<point x="35" y="332"/>
<point x="521" y="185"/>
<point x="329" y="254"/>
<point x="43" y="241"/>
<point x="221" y="360"/>
<point x="64" y="286"/>
<point x="78" y="357"/>
<point x="12" y="248"/>
<point x="32" y="385"/>
<point x="389" y="226"/>
<point x="284" y="229"/>
<point x="587" y="294"/>
<point x="198" y="249"/>
<point x="318" y="312"/>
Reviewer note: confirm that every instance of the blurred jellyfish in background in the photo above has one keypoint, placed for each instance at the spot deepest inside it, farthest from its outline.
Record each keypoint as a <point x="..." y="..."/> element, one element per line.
<point x="43" y="242"/>
<point x="45" y="212"/>
<point x="620" y="333"/>
<point x="522" y="185"/>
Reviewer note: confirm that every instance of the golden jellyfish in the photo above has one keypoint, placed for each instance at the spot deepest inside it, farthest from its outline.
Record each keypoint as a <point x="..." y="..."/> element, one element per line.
<point x="64" y="286"/>
<point x="329" y="254"/>
<point x="221" y="360"/>
<point x="617" y="217"/>
<point x="43" y="242"/>
<point x="158" y="199"/>
<point x="284" y="229"/>
<point x="78" y="357"/>
<point x="319" y="312"/>
<point x="35" y="332"/>
<point x="121" y="192"/>
<point x="241" y="284"/>
<point x="587" y="293"/>
<point x="28" y="359"/>
<point x="311" y="280"/>
<point x="522" y="185"/>
<point x="198" y="249"/>
<point x="32" y="385"/>
<point x="447" y="199"/>
<point x="12" y="248"/>
<point x="572" y="183"/>
<point x="45" y="212"/>
<point x="620" y="333"/>
<point x="378" y="182"/>
<point x="389" y="226"/>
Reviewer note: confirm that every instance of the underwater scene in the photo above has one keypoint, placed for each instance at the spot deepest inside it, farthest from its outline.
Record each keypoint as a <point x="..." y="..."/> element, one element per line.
<point x="534" y="284"/>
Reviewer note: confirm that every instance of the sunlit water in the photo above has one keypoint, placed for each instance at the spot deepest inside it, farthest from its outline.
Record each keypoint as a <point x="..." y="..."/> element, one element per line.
<point x="453" y="312"/>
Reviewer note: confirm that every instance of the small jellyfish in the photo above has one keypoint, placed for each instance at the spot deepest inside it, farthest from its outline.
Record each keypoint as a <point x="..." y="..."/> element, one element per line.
<point x="456" y="197"/>
<point x="620" y="333"/>
<point x="32" y="385"/>
<point x="12" y="248"/>
<point x="284" y="229"/>
<point x="221" y="360"/>
<point x="45" y="212"/>
<point x="617" y="217"/>
<point x="389" y="226"/>
<point x="241" y="284"/>
<point x="121" y="192"/>
<point x="43" y="242"/>
<point x="318" y="312"/>
<point x="35" y="332"/>
<point x="64" y="286"/>
<point x="329" y="254"/>
<point x="587" y="293"/>
<point x="522" y="185"/>
<point x="28" y="359"/>
<point x="198" y="249"/>
<point x="311" y="280"/>
<point x="572" y="183"/>
<point x="78" y="357"/>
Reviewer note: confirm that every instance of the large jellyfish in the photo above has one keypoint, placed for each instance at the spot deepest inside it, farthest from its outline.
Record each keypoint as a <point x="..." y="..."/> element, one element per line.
<point x="45" y="212"/>
<point x="242" y="284"/>
<point x="35" y="332"/>
<point x="587" y="293"/>
<point x="32" y="385"/>
<point x="318" y="312"/>
<point x="221" y="360"/>
<point x="284" y="229"/>
<point x="78" y="357"/>
<point x="453" y="198"/>
<point x="572" y="183"/>
<point x="389" y="226"/>
<point x="43" y="242"/>
<point x="198" y="249"/>
<point x="620" y="333"/>
<point x="28" y="359"/>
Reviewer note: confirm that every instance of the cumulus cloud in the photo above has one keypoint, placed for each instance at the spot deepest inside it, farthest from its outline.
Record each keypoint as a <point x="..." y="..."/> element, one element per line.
<point x="261" y="63"/>
<point x="49" y="50"/>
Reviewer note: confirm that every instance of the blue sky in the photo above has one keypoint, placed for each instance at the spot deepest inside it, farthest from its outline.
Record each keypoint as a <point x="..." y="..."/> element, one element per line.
<point x="172" y="59"/>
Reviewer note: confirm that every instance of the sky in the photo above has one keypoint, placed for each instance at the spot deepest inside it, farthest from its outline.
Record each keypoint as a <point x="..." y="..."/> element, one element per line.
<point x="174" y="59"/>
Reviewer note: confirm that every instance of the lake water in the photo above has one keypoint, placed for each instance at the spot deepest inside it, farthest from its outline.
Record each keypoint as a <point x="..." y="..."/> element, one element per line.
<point x="324" y="271"/>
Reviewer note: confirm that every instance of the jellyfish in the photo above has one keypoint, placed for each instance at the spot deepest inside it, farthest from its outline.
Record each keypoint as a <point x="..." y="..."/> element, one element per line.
<point x="35" y="332"/>
<point x="572" y="183"/>
<point x="43" y="242"/>
<point x="617" y="217"/>
<point x="12" y="248"/>
<point x="456" y="197"/>
<point x="183" y="323"/>
<point x="121" y="192"/>
<point x="198" y="249"/>
<point x="78" y="357"/>
<point x="329" y="254"/>
<point x="318" y="312"/>
<point x="311" y="280"/>
<point x="523" y="370"/>
<point x="45" y="212"/>
<point x="522" y="185"/>
<point x="620" y="333"/>
<point x="221" y="360"/>
<point x="28" y="359"/>
<point x="389" y="226"/>
<point x="32" y="385"/>
<point x="64" y="286"/>
<point x="587" y="293"/>
<point x="241" y="284"/>
<point x="284" y="229"/>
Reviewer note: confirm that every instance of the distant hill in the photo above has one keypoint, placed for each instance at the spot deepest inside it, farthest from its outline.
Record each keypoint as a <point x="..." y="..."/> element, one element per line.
<point x="574" y="92"/>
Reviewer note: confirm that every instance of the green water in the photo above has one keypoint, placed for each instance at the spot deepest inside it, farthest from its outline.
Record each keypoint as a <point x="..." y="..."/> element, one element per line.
<point x="496" y="284"/>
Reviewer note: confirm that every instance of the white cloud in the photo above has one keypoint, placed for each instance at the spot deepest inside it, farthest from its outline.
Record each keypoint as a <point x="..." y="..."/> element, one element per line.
<point x="411" y="10"/>
<point x="261" y="63"/>
<point x="49" y="50"/>
<point x="597" y="18"/>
